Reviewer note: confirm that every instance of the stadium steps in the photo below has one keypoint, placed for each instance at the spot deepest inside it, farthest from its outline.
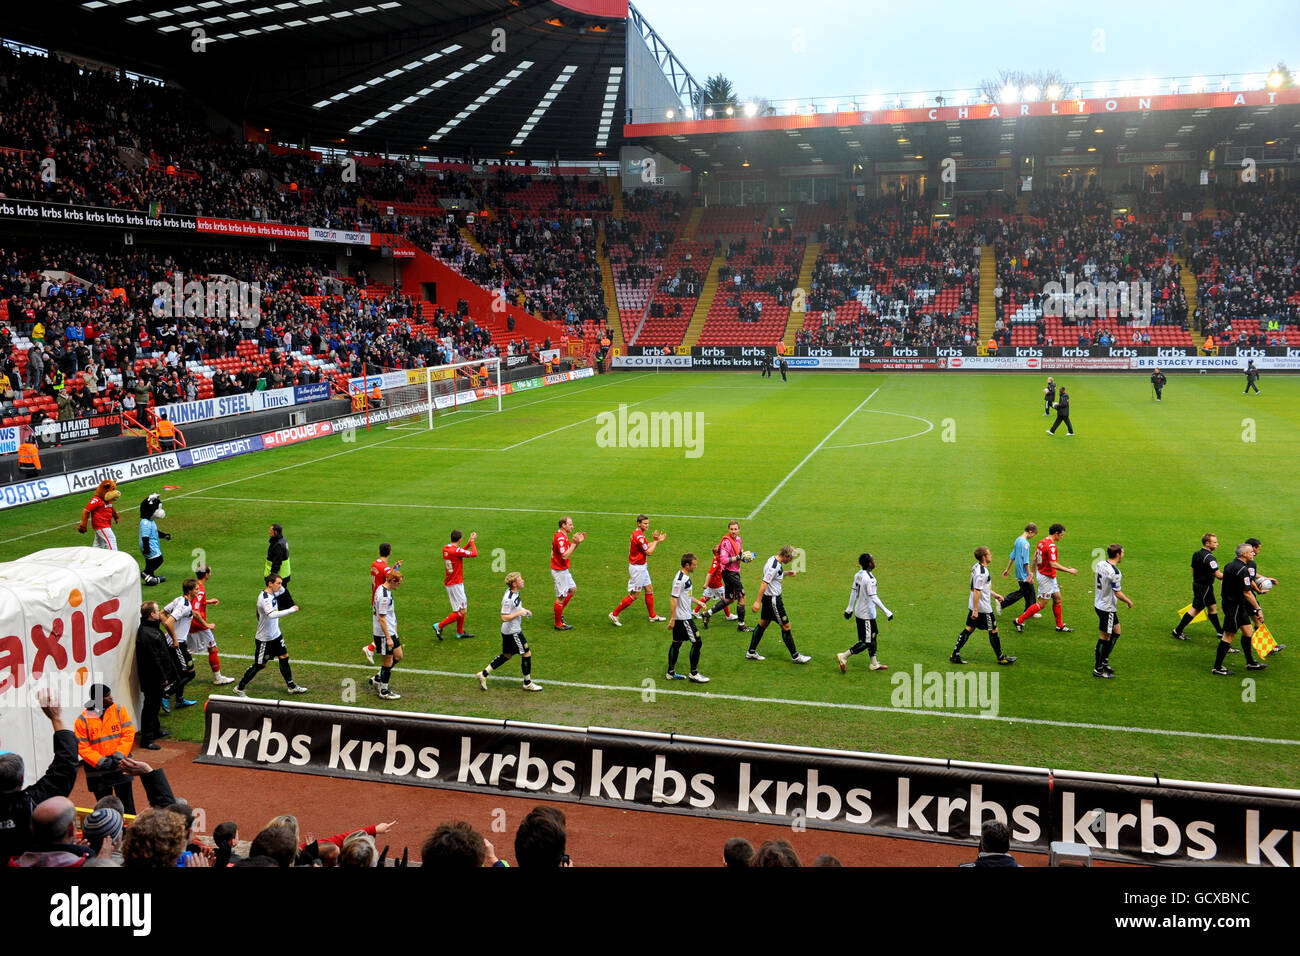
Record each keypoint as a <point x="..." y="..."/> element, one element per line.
<point x="988" y="303"/>
<point x="612" y="320"/>
<point x="616" y="190"/>
<point x="469" y="237"/>
<point x="707" y="292"/>
<point x="1187" y="279"/>
<point x="692" y="224"/>
<point x="795" y="322"/>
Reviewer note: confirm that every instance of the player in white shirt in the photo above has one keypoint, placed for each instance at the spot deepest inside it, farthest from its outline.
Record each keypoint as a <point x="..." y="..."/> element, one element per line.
<point x="773" y="608"/>
<point x="269" y="642"/>
<point x="980" y="613"/>
<point x="681" y="622"/>
<point x="513" y="641"/>
<point x="862" y="608"/>
<point x="176" y="619"/>
<point x="384" y="628"/>
<point x="1109" y="582"/>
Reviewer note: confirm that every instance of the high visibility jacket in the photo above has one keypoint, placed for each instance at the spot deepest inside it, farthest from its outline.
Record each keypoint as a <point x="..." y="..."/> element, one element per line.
<point x="98" y="736"/>
<point x="166" y="429"/>
<point x="29" y="456"/>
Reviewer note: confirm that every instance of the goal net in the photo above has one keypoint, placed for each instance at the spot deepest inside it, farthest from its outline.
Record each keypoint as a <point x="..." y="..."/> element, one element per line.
<point x="416" y="397"/>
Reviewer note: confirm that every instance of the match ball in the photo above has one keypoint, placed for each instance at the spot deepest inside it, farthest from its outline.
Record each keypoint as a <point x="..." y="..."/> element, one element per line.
<point x="747" y="556"/>
<point x="1266" y="584"/>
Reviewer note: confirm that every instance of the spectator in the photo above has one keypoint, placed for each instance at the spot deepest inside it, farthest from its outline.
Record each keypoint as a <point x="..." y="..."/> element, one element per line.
<point x="541" y="838"/>
<point x="225" y="836"/>
<point x="276" y="842"/>
<point x="995" y="844"/>
<point x="455" y="846"/>
<point x="156" y="839"/>
<point x="104" y="825"/>
<point x="358" y="851"/>
<point x="737" y="852"/>
<point x="827" y="860"/>
<point x="775" y="853"/>
<point x="17" y="804"/>
<point x="54" y="836"/>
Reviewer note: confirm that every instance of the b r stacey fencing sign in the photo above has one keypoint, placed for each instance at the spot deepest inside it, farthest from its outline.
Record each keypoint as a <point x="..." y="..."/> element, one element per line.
<point x="1121" y="818"/>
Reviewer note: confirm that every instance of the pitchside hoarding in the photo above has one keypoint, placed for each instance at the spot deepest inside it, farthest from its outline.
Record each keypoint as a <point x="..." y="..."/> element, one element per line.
<point x="1131" y="819"/>
<point x="1025" y="358"/>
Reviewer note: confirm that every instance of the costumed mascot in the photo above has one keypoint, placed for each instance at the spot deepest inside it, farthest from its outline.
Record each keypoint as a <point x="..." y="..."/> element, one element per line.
<point x="151" y="510"/>
<point x="100" y="514"/>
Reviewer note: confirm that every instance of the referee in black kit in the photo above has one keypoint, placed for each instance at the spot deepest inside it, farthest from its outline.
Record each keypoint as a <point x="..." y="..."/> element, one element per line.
<point x="1239" y="607"/>
<point x="1062" y="407"/>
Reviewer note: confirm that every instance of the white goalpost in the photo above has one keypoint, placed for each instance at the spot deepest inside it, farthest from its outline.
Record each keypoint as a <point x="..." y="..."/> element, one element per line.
<point x="417" y="396"/>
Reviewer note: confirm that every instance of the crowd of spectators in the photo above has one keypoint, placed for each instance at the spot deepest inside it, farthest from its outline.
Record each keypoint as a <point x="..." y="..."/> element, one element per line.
<point x="100" y="318"/>
<point x="1247" y="265"/>
<point x="878" y="282"/>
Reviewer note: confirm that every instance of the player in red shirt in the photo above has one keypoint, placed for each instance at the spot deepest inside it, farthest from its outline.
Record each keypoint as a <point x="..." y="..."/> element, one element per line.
<point x="453" y="558"/>
<point x="201" y="637"/>
<point x="638" y="571"/>
<point x="379" y="569"/>
<point x="1046" y="565"/>
<point x="101" y="515"/>
<point x="714" y="589"/>
<point x="563" y="545"/>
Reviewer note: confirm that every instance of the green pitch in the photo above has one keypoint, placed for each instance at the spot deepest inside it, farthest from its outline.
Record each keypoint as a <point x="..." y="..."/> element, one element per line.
<point x="916" y="468"/>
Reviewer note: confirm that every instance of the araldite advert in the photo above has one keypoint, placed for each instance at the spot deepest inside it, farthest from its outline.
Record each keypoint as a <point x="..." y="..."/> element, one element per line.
<point x="1120" y="818"/>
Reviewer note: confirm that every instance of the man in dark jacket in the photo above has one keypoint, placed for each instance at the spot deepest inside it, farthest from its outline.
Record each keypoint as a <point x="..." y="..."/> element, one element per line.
<point x="995" y="842"/>
<point x="156" y="664"/>
<point x="16" y="804"/>
<point x="277" y="562"/>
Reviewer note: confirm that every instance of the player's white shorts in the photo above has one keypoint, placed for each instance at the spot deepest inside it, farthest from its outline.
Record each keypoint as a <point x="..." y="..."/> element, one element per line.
<point x="456" y="595"/>
<point x="714" y="594"/>
<point x="638" y="577"/>
<point x="563" y="582"/>
<point x="105" y="538"/>
<point x="1047" y="586"/>
<point x="200" y="641"/>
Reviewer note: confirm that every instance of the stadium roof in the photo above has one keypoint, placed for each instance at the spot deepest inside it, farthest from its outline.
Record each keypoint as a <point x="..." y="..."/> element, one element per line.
<point x="1091" y="129"/>
<point x="445" y="77"/>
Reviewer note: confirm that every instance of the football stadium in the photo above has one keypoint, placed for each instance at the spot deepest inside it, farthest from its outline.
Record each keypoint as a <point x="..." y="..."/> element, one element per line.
<point x="492" y="318"/>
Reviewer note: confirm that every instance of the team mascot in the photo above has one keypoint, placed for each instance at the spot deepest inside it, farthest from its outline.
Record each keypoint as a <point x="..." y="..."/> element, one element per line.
<point x="151" y="509"/>
<point x="101" y="515"/>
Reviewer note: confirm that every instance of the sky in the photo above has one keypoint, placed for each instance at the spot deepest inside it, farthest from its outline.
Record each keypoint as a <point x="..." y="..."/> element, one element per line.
<point x="779" y="49"/>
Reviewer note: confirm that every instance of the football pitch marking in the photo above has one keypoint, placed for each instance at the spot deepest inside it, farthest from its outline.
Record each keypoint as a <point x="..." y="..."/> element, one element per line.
<point x="829" y="705"/>
<point x="389" y="504"/>
<point x="929" y="427"/>
<point x="771" y="494"/>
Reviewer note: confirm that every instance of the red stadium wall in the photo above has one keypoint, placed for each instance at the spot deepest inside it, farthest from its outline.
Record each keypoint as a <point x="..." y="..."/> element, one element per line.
<point x="451" y="287"/>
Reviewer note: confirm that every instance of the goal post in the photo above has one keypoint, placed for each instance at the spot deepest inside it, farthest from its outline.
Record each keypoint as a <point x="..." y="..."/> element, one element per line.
<point x="420" y="395"/>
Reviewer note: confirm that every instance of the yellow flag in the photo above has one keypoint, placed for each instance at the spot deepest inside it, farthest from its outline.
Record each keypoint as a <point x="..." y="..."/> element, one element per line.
<point x="1262" y="641"/>
<point x="1200" y="615"/>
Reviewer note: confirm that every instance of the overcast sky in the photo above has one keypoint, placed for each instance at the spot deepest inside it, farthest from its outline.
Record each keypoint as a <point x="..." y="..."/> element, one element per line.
<point x="864" y="46"/>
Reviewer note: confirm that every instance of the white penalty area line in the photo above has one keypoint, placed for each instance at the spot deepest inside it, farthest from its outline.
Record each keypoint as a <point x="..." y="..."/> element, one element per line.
<point x="771" y="494"/>
<point x="428" y="507"/>
<point x="827" y="705"/>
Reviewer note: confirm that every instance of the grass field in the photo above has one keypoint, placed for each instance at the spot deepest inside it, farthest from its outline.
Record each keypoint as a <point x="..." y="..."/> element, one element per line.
<point x="916" y="468"/>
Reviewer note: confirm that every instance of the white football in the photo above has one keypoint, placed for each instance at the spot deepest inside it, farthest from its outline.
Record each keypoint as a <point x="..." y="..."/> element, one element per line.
<point x="1266" y="584"/>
